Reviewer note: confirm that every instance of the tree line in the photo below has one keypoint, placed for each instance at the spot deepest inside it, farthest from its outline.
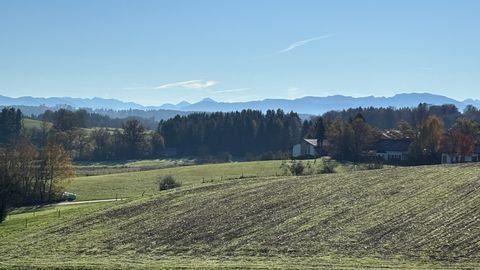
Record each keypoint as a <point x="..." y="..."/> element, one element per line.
<point x="131" y="141"/>
<point x="65" y="119"/>
<point x="28" y="174"/>
<point x="388" y="118"/>
<point x="202" y="135"/>
<point x="256" y="135"/>
<point x="431" y="131"/>
<point x="246" y="133"/>
<point x="148" y="117"/>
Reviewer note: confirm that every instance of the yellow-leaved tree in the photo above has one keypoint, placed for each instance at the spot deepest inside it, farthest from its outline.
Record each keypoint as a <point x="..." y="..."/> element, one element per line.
<point x="57" y="170"/>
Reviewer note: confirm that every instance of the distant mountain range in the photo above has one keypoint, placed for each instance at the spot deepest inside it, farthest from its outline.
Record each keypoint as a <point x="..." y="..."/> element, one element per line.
<point x="306" y="105"/>
<point x="319" y="105"/>
<point x="92" y="103"/>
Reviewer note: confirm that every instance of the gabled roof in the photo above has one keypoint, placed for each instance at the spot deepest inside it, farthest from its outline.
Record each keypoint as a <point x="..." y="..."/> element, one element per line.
<point x="392" y="134"/>
<point x="385" y="145"/>
<point x="313" y="142"/>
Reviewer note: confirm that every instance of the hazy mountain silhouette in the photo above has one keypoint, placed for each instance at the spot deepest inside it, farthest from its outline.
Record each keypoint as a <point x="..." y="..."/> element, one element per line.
<point x="318" y="105"/>
<point x="305" y="105"/>
<point x="93" y="103"/>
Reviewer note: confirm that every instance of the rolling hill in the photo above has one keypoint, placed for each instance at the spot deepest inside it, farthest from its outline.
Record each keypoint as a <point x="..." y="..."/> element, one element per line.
<point x="397" y="218"/>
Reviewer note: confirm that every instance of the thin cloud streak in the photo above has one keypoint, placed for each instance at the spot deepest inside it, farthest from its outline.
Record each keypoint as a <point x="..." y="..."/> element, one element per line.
<point x="302" y="43"/>
<point x="192" y="84"/>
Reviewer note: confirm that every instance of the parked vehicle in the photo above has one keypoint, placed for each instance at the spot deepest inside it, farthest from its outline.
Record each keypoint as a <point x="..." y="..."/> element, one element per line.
<point x="68" y="196"/>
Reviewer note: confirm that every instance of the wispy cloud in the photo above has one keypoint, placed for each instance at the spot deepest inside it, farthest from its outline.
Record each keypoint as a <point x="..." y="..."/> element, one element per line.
<point x="192" y="84"/>
<point x="232" y="90"/>
<point x="302" y="42"/>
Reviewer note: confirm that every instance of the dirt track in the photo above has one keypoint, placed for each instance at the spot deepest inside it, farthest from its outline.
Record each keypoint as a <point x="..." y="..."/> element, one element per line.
<point x="92" y="201"/>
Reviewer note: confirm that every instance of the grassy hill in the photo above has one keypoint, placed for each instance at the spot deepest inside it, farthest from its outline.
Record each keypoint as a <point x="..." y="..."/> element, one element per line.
<point x="134" y="184"/>
<point x="424" y="217"/>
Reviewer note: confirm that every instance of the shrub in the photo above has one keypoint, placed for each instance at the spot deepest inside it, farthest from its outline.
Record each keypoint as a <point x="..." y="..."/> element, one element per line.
<point x="168" y="182"/>
<point x="297" y="168"/>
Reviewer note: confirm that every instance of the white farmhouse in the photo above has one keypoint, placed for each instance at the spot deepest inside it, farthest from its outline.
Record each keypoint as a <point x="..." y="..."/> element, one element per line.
<point x="309" y="148"/>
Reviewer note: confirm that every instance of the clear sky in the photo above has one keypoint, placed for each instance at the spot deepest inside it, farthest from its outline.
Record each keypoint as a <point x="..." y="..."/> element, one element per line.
<point x="154" y="52"/>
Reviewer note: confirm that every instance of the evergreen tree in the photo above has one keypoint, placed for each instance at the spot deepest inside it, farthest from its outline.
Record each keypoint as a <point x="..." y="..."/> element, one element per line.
<point x="10" y="125"/>
<point x="134" y="139"/>
<point x="319" y="131"/>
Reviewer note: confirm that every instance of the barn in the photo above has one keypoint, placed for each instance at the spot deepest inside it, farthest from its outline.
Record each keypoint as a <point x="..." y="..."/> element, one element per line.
<point x="309" y="148"/>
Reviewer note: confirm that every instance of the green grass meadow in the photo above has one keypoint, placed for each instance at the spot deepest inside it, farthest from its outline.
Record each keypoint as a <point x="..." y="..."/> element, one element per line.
<point x="138" y="183"/>
<point x="135" y="184"/>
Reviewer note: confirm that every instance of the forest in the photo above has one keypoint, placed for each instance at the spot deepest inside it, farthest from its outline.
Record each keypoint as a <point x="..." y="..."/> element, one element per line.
<point x="251" y="134"/>
<point x="247" y="133"/>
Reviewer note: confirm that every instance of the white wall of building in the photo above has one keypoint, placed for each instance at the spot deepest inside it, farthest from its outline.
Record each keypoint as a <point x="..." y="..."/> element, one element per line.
<point x="297" y="150"/>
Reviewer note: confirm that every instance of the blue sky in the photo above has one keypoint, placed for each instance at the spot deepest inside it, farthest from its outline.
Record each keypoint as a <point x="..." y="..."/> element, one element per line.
<point x="154" y="52"/>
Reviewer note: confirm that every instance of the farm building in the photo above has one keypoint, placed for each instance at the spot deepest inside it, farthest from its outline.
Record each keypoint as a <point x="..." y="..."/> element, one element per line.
<point x="392" y="150"/>
<point x="309" y="148"/>
<point x="455" y="158"/>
